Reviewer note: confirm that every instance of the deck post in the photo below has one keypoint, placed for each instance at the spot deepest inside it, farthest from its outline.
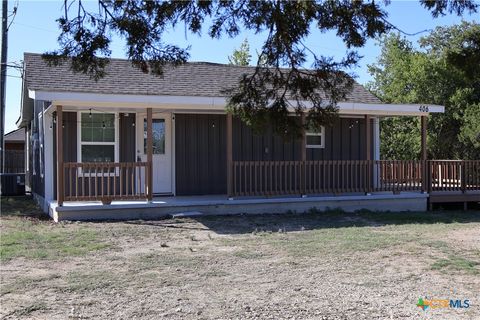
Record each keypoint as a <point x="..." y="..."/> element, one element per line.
<point x="368" y="152"/>
<point x="303" y="178"/>
<point x="425" y="176"/>
<point x="149" y="174"/>
<point x="60" y="169"/>
<point x="229" y="155"/>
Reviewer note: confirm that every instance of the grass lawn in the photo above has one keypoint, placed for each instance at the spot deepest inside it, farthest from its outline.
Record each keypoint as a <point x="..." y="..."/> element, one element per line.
<point x="28" y="233"/>
<point x="329" y="265"/>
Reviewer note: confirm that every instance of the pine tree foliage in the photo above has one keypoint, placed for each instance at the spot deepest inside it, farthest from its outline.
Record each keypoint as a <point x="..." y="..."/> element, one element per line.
<point x="270" y="93"/>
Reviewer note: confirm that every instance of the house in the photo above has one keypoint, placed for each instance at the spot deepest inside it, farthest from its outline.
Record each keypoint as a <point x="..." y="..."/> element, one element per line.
<point x="134" y="145"/>
<point x="15" y="151"/>
<point x="12" y="178"/>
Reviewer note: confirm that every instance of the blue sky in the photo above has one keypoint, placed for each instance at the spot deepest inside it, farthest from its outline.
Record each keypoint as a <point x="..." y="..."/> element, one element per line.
<point x="34" y="30"/>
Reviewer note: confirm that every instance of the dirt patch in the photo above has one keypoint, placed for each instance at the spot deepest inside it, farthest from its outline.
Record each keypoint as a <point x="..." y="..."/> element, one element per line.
<point x="268" y="267"/>
<point x="466" y="238"/>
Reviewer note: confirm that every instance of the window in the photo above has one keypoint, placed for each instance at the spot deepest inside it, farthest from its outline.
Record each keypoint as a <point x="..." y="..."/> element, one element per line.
<point x="158" y="133"/>
<point x="315" y="139"/>
<point x="97" y="132"/>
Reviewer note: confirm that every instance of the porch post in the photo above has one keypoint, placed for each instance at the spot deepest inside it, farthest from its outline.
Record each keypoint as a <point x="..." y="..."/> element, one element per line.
<point x="303" y="158"/>
<point x="376" y="151"/>
<point x="368" y="152"/>
<point x="60" y="169"/>
<point x="425" y="176"/>
<point x="149" y="155"/>
<point x="229" y="155"/>
<point x="424" y="137"/>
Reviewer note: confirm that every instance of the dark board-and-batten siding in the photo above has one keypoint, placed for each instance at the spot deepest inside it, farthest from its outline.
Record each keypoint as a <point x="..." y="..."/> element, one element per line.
<point x="200" y="149"/>
<point x="344" y="140"/>
<point x="200" y="154"/>
<point x="127" y="137"/>
<point x="69" y="143"/>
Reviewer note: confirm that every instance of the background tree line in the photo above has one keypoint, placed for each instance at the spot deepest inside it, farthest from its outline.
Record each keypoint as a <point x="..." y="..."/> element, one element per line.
<point x="444" y="70"/>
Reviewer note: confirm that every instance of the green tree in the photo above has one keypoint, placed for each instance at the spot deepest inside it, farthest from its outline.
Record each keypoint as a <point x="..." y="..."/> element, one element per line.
<point x="241" y="56"/>
<point x="445" y="71"/>
<point x="266" y="95"/>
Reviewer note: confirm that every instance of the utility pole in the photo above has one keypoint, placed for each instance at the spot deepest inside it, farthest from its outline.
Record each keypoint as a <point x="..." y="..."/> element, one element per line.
<point x="3" y="80"/>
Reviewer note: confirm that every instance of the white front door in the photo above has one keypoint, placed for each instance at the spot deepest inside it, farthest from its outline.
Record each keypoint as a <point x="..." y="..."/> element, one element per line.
<point x="162" y="149"/>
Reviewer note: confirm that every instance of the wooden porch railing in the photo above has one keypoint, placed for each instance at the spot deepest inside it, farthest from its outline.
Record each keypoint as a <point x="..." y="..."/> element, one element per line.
<point x="268" y="178"/>
<point x="105" y="181"/>
<point x="128" y="181"/>
<point x="399" y="175"/>
<point x="454" y="175"/>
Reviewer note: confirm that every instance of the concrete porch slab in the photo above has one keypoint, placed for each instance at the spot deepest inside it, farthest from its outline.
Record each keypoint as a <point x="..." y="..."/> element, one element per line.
<point x="162" y="207"/>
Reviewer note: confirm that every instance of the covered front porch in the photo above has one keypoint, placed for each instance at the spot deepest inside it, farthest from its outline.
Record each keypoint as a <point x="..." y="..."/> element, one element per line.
<point x="348" y="185"/>
<point x="116" y="189"/>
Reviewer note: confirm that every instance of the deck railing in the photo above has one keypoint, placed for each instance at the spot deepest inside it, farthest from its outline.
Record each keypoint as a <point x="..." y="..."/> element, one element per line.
<point x="268" y="178"/>
<point x="454" y="175"/>
<point x="129" y="180"/>
<point x="105" y="181"/>
<point x="399" y="175"/>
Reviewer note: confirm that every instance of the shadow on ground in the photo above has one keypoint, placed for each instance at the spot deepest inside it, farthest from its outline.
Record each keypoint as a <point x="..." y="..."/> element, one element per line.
<point x="24" y="207"/>
<point x="241" y="224"/>
<point x="21" y="206"/>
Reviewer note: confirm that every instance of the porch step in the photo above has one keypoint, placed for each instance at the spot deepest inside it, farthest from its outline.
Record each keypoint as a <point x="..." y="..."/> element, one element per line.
<point x="187" y="214"/>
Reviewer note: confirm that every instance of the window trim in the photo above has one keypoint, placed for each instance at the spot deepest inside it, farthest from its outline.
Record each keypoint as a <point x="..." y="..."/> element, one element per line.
<point x="164" y="136"/>
<point x="320" y="134"/>
<point x="115" y="143"/>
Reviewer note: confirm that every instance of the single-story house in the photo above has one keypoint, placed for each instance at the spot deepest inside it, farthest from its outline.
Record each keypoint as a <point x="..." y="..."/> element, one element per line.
<point x="135" y="145"/>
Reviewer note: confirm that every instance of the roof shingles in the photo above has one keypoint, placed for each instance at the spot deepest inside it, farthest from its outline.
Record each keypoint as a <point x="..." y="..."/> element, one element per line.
<point x="190" y="79"/>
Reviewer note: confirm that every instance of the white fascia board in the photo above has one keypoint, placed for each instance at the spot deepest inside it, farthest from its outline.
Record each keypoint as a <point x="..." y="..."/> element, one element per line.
<point x="216" y="103"/>
<point x="79" y="99"/>
<point x="390" y="109"/>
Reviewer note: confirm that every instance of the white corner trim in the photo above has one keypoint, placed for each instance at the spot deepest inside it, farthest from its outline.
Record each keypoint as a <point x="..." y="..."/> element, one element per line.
<point x="48" y="156"/>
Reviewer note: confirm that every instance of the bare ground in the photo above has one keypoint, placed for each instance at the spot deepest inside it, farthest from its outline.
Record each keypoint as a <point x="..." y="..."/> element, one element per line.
<point x="292" y="266"/>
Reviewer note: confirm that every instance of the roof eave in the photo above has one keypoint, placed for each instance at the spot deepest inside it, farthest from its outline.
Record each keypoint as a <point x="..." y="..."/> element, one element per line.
<point x="215" y="103"/>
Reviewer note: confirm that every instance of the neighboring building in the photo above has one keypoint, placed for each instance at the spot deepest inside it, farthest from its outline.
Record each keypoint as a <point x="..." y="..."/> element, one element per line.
<point x="15" y="151"/>
<point x="111" y="132"/>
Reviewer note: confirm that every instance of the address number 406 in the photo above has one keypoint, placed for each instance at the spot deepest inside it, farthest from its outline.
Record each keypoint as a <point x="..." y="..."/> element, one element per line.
<point x="423" y="108"/>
